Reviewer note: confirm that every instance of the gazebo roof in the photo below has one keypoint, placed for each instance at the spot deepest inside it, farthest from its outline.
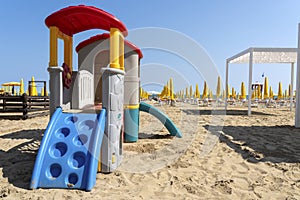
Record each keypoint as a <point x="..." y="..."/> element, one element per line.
<point x="265" y="55"/>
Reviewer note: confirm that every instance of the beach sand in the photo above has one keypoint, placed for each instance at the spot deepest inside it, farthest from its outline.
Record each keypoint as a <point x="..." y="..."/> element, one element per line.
<point x="230" y="156"/>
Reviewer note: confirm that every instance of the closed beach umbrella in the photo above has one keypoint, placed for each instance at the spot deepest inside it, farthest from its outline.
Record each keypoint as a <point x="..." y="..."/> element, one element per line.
<point x="223" y="94"/>
<point x="168" y="89"/>
<point x="266" y="87"/>
<point x="233" y="93"/>
<point x="197" y="93"/>
<point x="187" y="92"/>
<point x="218" y="91"/>
<point x="290" y="91"/>
<point x="210" y="94"/>
<point x="205" y="91"/>
<point x="228" y="91"/>
<point x="285" y="94"/>
<point x="33" y="91"/>
<point x="171" y="89"/>
<point x="164" y="92"/>
<point x="259" y="92"/>
<point x="21" y="87"/>
<point x="191" y="91"/>
<point x="280" y="95"/>
<point x="243" y="91"/>
<point x="253" y="96"/>
<point x="271" y="93"/>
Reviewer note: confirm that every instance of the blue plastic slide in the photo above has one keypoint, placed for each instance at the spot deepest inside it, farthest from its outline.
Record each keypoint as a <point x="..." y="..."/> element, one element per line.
<point x="69" y="151"/>
<point x="173" y="130"/>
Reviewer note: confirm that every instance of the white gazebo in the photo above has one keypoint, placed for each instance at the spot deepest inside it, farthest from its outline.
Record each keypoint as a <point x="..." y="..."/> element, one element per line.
<point x="255" y="55"/>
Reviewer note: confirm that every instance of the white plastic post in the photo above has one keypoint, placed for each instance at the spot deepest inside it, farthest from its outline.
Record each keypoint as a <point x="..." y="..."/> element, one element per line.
<point x="56" y="88"/>
<point x="250" y="81"/>
<point x="297" y="117"/>
<point x="226" y="85"/>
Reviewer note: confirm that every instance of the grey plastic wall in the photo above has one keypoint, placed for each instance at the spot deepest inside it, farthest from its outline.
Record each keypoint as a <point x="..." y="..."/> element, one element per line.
<point x="113" y="97"/>
<point x="56" y="88"/>
<point x="93" y="58"/>
<point x="132" y="80"/>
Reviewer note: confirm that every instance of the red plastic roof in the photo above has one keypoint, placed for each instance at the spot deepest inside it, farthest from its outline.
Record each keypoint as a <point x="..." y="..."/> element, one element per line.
<point x="75" y="19"/>
<point x="106" y="36"/>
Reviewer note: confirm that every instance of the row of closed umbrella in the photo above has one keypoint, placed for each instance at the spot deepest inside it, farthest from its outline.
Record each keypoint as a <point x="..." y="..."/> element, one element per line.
<point x="10" y="87"/>
<point x="168" y="91"/>
<point x="267" y="92"/>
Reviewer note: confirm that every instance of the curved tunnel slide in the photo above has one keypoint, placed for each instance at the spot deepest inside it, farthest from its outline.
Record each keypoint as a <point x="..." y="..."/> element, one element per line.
<point x="69" y="151"/>
<point x="168" y="123"/>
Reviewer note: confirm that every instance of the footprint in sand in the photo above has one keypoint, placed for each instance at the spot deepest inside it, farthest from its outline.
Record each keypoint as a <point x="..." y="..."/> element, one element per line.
<point x="223" y="186"/>
<point x="293" y="174"/>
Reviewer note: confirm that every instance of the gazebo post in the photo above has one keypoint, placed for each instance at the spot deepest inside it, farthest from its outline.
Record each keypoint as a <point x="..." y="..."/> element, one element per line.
<point x="292" y="86"/>
<point x="226" y="83"/>
<point x="297" y="117"/>
<point x="250" y="81"/>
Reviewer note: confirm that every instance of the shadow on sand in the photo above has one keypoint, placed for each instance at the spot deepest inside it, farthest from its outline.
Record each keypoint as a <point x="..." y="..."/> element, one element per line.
<point x="17" y="163"/>
<point x="221" y="112"/>
<point x="154" y="136"/>
<point x="274" y="144"/>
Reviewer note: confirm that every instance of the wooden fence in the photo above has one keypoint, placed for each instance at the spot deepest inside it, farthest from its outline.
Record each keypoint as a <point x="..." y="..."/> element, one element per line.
<point x="23" y="104"/>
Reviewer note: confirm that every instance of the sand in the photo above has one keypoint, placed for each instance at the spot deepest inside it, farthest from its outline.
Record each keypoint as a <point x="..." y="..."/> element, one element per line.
<point x="221" y="156"/>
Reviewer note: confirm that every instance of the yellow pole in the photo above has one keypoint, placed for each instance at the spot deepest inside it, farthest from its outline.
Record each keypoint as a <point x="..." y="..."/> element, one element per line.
<point x="121" y="51"/>
<point x="114" y="48"/>
<point x="53" y="46"/>
<point x="68" y="51"/>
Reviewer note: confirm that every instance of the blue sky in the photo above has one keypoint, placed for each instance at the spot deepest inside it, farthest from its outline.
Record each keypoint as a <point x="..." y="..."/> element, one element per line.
<point x="222" y="28"/>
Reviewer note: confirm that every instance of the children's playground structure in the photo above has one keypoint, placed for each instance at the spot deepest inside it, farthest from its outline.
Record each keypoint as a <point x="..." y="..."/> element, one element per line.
<point x="91" y="109"/>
